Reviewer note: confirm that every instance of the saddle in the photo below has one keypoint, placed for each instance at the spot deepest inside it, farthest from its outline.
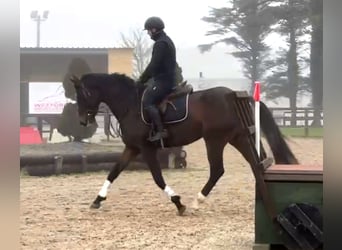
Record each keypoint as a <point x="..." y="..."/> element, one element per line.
<point x="180" y="90"/>
<point x="174" y="107"/>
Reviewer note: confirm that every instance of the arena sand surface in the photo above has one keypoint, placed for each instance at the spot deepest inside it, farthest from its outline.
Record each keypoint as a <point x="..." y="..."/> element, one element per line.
<point x="55" y="210"/>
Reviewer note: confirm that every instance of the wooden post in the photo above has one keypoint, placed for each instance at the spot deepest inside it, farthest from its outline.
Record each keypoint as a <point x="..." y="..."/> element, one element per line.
<point x="40" y="126"/>
<point x="84" y="164"/>
<point x="58" y="164"/>
<point x="306" y="123"/>
<point x="171" y="160"/>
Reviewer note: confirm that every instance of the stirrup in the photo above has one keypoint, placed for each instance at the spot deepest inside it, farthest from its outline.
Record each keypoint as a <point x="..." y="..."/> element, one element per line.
<point x="158" y="136"/>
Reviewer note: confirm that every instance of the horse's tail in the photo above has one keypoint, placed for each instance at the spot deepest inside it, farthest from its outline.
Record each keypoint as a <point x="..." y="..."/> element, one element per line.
<point x="281" y="152"/>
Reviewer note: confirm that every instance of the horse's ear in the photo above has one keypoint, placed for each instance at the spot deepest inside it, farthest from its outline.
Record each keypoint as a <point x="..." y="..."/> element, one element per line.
<point x="77" y="82"/>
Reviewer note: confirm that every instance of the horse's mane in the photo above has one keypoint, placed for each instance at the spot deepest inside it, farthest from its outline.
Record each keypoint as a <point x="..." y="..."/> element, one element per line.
<point x="95" y="79"/>
<point x="126" y="86"/>
<point x="123" y="79"/>
<point x="102" y="80"/>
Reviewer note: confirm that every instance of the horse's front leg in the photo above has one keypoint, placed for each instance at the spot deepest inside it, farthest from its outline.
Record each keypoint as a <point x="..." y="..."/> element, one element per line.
<point x="127" y="155"/>
<point x="215" y="146"/>
<point x="150" y="156"/>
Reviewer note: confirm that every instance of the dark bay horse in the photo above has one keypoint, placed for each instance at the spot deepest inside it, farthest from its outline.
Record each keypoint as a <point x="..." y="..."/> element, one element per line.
<point x="211" y="116"/>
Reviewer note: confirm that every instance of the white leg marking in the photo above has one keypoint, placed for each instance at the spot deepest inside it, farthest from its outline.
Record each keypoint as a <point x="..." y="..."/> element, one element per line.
<point x="169" y="191"/>
<point x="199" y="199"/>
<point x="104" y="189"/>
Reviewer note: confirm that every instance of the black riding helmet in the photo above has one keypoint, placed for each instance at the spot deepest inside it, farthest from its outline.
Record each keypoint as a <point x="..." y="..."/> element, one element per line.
<point x="154" y="22"/>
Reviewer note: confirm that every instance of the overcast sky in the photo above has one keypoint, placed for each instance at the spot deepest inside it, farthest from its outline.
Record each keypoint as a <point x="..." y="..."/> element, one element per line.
<point x="98" y="23"/>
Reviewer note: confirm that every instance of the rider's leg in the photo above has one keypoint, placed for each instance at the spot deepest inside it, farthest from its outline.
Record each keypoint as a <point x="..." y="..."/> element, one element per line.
<point x="153" y="113"/>
<point x="153" y="96"/>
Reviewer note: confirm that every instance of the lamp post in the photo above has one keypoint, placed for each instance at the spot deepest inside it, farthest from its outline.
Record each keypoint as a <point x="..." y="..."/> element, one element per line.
<point x="35" y="16"/>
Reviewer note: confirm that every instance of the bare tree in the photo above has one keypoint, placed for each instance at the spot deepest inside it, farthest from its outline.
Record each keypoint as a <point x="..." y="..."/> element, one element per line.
<point x="142" y="49"/>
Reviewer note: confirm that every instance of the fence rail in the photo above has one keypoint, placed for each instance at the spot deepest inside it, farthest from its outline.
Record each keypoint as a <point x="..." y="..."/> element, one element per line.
<point x="284" y="117"/>
<point x="301" y="117"/>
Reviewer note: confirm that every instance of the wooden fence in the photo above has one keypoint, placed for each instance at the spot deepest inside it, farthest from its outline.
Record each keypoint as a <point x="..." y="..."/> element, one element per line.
<point x="284" y="117"/>
<point x="301" y="117"/>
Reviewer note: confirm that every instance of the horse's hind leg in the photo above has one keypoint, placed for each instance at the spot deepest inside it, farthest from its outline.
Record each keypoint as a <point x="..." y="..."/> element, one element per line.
<point x="215" y="148"/>
<point x="242" y="144"/>
<point x="150" y="156"/>
<point x="127" y="155"/>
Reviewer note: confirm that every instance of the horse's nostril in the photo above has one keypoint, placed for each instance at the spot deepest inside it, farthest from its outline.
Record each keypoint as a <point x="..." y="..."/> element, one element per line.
<point x="83" y="123"/>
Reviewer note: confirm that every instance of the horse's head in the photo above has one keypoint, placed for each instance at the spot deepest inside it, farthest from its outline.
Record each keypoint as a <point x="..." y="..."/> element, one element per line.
<point x="88" y="100"/>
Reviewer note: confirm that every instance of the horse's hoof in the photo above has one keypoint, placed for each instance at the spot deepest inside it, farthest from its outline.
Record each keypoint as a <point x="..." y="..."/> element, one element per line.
<point x="97" y="202"/>
<point x="181" y="210"/>
<point x="95" y="205"/>
<point x="176" y="200"/>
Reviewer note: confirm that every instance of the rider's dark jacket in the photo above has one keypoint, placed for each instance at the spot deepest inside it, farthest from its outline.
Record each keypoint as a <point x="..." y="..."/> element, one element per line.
<point x="163" y="62"/>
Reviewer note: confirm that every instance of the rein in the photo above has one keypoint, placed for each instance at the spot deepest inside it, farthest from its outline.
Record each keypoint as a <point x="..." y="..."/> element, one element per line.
<point x="118" y="130"/>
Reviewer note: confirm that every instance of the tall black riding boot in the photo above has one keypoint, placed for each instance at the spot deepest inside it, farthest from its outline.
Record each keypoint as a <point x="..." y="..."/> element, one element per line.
<point x="156" y="120"/>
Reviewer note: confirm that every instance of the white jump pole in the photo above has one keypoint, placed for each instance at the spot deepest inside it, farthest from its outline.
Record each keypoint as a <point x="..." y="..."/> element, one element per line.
<point x="257" y="116"/>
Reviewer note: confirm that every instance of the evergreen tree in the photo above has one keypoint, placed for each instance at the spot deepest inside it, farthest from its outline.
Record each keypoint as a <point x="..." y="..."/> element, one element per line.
<point x="316" y="57"/>
<point x="244" y="25"/>
<point x="286" y="78"/>
<point x="69" y="124"/>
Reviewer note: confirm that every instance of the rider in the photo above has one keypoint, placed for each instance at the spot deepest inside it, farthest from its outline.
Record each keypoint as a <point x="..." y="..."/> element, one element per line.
<point x="162" y="69"/>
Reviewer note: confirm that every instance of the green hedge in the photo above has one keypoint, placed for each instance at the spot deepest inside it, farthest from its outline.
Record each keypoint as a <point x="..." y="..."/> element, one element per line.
<point x="302" y="132"/>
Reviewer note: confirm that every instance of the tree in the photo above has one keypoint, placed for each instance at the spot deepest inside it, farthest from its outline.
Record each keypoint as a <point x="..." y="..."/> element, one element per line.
<point x="297" y="19"/>
<point x="142" y="53"/>
<point x="316" y="57"/>
<point x="243" y="25"/>
<point x="78" y="67"/>
<point x="68" y="124"/>
<point x="142" y="50"/>
<point x="286" y="79"/>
